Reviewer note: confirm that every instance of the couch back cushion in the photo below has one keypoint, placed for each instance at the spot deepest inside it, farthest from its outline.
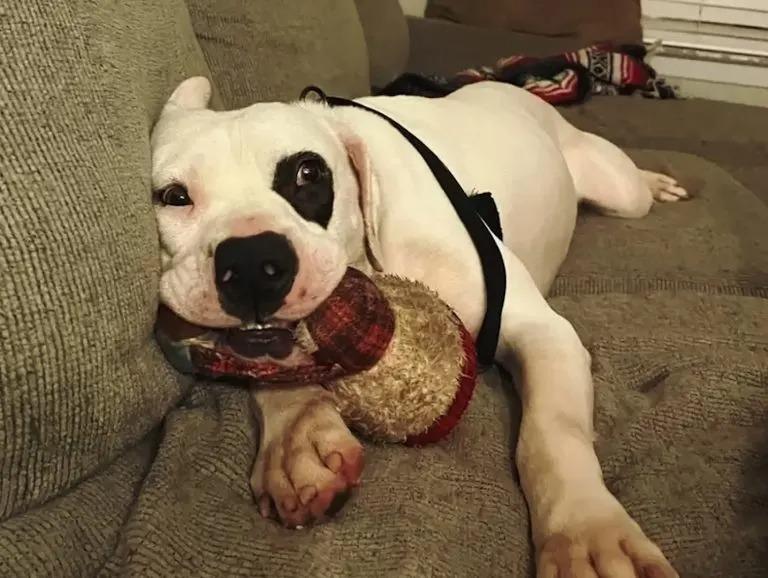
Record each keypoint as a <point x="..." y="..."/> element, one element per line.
<point x="590" y="20"/>
<point x="386" y="34"/>
<point x="262" y="50"/>
<point x="81" y="84"/>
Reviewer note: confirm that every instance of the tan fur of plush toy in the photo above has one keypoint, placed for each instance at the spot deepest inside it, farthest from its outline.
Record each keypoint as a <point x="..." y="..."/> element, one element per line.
<point x="426" y="350"/>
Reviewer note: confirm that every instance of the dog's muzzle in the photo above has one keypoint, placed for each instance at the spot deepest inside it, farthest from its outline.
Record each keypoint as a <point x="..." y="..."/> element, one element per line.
<point x="254" y="274"/>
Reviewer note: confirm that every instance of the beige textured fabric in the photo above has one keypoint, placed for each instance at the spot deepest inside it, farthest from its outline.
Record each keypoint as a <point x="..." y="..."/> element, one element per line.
<point x="447" y="510"/>
<point x="673" y="308"/>
<point x="262" y="50"/>
<point x="719" y="240"/>
<point x="81" y="378"/>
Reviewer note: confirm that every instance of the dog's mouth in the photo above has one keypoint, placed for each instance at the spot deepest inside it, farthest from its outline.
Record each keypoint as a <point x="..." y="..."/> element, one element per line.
<point x="349" y="332"/>
<point x="275" y="339"/>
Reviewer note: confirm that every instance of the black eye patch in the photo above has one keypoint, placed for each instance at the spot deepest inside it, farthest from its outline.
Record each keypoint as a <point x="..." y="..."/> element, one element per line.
<point x="305" y="181"/>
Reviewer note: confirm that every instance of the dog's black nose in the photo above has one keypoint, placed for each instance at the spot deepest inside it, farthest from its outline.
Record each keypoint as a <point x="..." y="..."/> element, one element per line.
<point x="254" y="274"/>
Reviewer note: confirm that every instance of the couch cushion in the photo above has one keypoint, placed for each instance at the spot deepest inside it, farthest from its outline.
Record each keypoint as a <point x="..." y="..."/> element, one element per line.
<point x="261" y="50"/>
<point x="734" y="136"/>
<point x="673" y="309"/>
<point x="680" y="353"/>
<point x="719" y="240"/>
<point x="443" y="47"/>
<point x="589" y="20"/>
<point x="82" y="379"/>
<point x="386" y="34"/>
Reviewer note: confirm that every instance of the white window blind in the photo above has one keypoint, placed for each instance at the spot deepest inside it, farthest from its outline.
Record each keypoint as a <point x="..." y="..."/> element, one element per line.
<point x="706" y="45"/>
<point x="750" y="13"/>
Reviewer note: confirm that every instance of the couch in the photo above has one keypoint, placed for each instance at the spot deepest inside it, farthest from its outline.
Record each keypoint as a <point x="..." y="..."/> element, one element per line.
<point x="112" y="464"/>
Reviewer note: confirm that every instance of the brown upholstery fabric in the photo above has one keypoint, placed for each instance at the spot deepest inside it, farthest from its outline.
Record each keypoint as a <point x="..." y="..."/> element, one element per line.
<point x="672" y="308"/>
<point x="386" y="34"/>
<point x="443" y="47"/>
<point x="449" y="510"/>
<point x="261" y="50"/>
<point x="81" y="379"/>
<point x="588" y="20"/>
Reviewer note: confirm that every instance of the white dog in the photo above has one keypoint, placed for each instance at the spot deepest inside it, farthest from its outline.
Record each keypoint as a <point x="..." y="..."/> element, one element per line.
<point x="261" y="210"/>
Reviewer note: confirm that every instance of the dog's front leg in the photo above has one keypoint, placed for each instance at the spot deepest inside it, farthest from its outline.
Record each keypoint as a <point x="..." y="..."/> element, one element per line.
<point x="308" y="460"/>
<point x="579" y="528"/>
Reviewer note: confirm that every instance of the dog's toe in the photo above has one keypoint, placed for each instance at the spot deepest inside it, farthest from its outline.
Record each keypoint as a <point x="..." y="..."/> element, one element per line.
<point x="664" y="188"/>
<point x="603" y="549"/>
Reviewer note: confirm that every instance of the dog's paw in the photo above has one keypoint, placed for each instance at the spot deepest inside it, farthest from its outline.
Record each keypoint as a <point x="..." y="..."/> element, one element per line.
<point x="308" y="465"/>
<point x="608" y="548"/>
<point x="664" y="188"/>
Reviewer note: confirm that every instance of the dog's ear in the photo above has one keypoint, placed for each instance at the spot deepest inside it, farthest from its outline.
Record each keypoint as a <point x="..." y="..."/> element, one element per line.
<point x="369" y="195"/>
<point x="192" y="94"/>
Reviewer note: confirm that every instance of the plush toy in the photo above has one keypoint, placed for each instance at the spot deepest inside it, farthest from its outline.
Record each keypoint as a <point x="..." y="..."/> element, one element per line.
<point x="401" y="365"/>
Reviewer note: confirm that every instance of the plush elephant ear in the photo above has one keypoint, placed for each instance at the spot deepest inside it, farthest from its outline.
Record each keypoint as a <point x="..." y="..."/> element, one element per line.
<point x="192" y="94"/>
<point x="368" y="194"/>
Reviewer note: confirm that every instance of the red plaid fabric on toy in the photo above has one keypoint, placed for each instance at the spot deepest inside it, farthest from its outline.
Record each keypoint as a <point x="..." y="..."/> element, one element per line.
<point x="354" y="326"/>
<point x="351" y="331"/>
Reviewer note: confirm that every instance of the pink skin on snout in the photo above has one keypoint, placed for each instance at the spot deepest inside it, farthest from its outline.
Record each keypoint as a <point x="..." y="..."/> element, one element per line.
<point x="321" y="264"/>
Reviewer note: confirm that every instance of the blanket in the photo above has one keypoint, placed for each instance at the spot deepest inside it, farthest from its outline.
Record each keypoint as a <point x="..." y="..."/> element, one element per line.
<point x="565" y="78"/>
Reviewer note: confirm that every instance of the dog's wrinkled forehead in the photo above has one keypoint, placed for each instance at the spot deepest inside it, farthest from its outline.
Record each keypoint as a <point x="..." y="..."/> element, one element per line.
<point x="219" y="152"/>
<point x="253" y="138"/>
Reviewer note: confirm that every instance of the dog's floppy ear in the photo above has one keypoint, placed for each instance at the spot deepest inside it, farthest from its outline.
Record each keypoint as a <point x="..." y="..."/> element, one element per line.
<point x="368" y="196"/>
<point x="192" y="94"/>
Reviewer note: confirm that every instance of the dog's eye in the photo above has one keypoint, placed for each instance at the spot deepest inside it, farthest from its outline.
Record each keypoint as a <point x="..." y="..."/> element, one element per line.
<point x="175" y="195"/>
<point x="309" y="172"/>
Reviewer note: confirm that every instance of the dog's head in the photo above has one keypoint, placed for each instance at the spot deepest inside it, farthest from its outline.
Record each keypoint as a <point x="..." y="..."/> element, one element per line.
<point x="259" y="210"/>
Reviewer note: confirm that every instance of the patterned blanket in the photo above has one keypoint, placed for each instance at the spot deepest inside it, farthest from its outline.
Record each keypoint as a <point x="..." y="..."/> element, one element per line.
<point x="565" y="78"/>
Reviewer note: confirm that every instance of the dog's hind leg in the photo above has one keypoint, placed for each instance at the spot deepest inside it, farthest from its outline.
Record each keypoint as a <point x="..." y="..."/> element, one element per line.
<point x="606" y="177"/>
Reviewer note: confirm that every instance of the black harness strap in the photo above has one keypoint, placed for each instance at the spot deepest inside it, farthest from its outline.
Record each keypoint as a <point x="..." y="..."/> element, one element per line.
<point x="494" y="273"/>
